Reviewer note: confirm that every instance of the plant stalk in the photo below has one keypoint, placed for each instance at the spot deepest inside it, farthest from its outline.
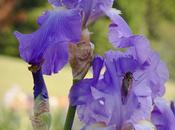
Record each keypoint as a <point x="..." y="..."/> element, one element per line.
<point x="70" y="114"/>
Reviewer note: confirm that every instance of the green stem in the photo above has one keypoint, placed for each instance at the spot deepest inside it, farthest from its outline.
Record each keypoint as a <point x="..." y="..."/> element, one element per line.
<point x="70" y="115"/>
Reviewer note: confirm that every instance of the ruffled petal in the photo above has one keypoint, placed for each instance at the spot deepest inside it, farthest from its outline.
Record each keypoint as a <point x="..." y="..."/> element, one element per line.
<point x="41" y="19"/>
<point x="55" y="58"/>
<point x="98" y="126"/>
<point x="80" y="93"/>
<point x="71" y="3"/>
<point x="57" y="27"/>
<point x="126" y="64"/>
<point x="93" y="9"/>
<point x="162" y="116"/>
<point x="141" y="49"/>
<point x="119" y="30"/>
<point x="97" y="66"/>
<point x="157" y="74"/>
<point x="55" y="2"/>
<point x="144" y="125"/>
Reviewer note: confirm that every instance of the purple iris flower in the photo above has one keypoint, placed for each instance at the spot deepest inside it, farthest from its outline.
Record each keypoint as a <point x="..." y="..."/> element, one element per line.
<point x="99" y="99"/>
<point x="123" y="94"/>
<point x="48" y="46"/>
<point x="162" y="115"/>
<point x="138" y="46"/>
<point x="91" y="9"/>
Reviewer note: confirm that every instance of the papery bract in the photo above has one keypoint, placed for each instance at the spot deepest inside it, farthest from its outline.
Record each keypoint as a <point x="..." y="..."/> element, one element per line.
<point x="41" y="119"/>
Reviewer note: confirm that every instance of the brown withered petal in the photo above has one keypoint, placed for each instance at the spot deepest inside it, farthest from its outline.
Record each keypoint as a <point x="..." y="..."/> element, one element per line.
<point x="80" y="58"/>
<point x="41" y="119"/>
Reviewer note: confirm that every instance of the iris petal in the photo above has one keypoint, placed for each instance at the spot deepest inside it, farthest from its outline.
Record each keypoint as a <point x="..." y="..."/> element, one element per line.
<point x="93" y="9"/>
<point x="55" y="2"/>
<point x="57" y="27"/>
<point x="162" y="116"/>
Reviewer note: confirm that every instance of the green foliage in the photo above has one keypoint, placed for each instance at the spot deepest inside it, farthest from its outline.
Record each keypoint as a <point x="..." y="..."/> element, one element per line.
<point x="99" y="36"/>
<point x="9" y="120"/>
<point x="30" y="4"/>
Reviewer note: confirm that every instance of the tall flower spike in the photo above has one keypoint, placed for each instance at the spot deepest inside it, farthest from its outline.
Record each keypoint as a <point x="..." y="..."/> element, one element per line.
<point x="48" y="46"/>
<point x="41" y="120"/>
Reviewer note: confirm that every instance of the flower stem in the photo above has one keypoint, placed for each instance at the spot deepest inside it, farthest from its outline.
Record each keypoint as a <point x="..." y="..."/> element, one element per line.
<point x="70" y="114"/>
<point x="70" y="117"/>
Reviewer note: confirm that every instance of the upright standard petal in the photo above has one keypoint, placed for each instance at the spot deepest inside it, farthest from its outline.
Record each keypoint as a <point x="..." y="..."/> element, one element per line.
<point x="69" y="4"/>
<point x="119" y="31"/>
<point x="58" y="27"/>
<point x="93" y="9"/>
<point x="55" y="2"/>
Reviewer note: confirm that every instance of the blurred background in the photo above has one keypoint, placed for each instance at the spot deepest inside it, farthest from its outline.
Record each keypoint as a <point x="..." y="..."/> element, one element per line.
<point x="153" y="18"/>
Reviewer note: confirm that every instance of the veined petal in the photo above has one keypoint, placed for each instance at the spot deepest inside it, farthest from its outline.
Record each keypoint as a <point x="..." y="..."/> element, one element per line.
<point x="41" y="19"/>
<point x="70" y="4"/>
<point x="80" y="93"/>
<point x="158" y="74"/>
<point x="55" y="61"/>
<point x="57" y="27"/>
<point x="162" y="116"/>
<point x="55" y="2"/>
<point x="126" y="64"/>
<point x="141" y="49"/>
<point x="119" y="29"/>
<point x="144" y="125"/>
<point x="97" y="66"/>
<point x="98" y="126"/>
<point x="93" y="9"/>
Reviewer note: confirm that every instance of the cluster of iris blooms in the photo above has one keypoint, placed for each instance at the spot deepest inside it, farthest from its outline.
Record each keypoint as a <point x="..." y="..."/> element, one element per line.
<point x="125" y="92"/>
